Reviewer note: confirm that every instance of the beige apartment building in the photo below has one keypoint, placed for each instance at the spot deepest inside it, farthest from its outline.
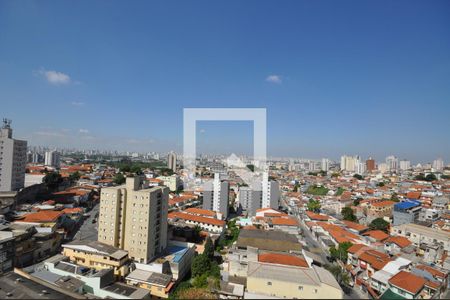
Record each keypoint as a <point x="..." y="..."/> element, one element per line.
<point x="133" y="217"/>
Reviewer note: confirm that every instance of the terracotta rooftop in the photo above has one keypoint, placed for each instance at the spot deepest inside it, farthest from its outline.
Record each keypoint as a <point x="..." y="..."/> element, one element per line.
<point x="43" y="216"/>
<point x="378" y="235"/>
<point x="283" y="259"/>
<point x="199" y="211"/>
<point x="432" y="271"/>
<point x="354" y="225"/>
<point x="413" y="195"/>
<point x="314" y="216"/>
<point x="408" y="282"/>
<point x="375" y="258"/>
<point x="198" y="219"/>
<point x="400" y="241"/>
<point x="383" y="203"/>
<point x="284" y="221"/>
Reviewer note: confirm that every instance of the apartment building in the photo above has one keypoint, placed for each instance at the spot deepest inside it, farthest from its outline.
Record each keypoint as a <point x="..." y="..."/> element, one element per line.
<point x="270" y="192"/>
<point x="172" y="182"/>
<point x="406" y="212"/>
<point x="133" y="217"/>
<point x="381" y="209"/>
<point x="52" y="159"/>
<point x="215" y="196"/>
<point x="172" y="161"/>
<point x="13" y="160"/>
<point x="250" y="200"/>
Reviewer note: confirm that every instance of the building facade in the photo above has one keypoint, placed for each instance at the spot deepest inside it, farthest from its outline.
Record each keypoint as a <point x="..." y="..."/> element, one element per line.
<point x="133" y="217"/>
<point x="13" y="160"/>
<point x="215" y="196"/>
<point x="52" y="159"/>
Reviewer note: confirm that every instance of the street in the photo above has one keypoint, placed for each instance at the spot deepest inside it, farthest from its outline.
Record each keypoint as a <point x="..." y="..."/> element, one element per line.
<point x="88" y="230"/>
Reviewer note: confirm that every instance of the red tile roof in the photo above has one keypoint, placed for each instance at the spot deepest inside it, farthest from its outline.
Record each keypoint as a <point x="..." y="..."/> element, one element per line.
<point x="413" y="195"/>
<point x="383" y="203"/>
<point x="378" y="235"/>
<point x="282" y="259"/>
<point x="408" y="282"/>
<point x="400" y="241"/>
<point x="432" y="271"/>
<point x="198" y="219"/>
<point x="284" y="221"/>
<point x="357" y="248"/>
<point x="314" y="216"/>
<point x="199" y="211"/>
<point x="375" y="258"/>
<point x="354" y="225"/>
<point x="43" y="216"/>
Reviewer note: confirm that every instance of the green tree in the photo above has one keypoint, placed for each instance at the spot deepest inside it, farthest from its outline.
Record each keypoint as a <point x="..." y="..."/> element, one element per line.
<point x="296" y="187"/>
<point x="430" y="177"/>
<point x="347" y="214"/>
<point x="380" y="184"/>
<point x="125" y="168"/>
<point x="339" y="191"/>
<point x="209" y="249"/>
<point x="74" y="176"/>
<point x="379" y="224"/>
<point x="313" y="205"/>
<point x="357" y="201"/>
<point x="119" y="178"/>
<point x="52" y="180"/>
<point x="394" y="197"/>
<point x="341" y="252"/>
<point x="251" y="168"/>
<point x="358" y="176"/>
<point x="445" y="177"/>
<point x="200" y="265"/>
<point x="136" y="169"/>
<point x="335" y="175"/>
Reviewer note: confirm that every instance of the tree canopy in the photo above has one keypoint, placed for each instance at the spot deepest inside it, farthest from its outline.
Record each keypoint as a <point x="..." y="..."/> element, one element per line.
<point x="379" y="224"/>
<point x="313" y="205"/>
<point x="347" y="214"/>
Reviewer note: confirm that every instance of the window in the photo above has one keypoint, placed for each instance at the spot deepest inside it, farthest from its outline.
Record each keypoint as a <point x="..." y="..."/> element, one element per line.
<point x="300" y="288"/>
<point x="269" y="283"/>
<point x="315" y="291"/>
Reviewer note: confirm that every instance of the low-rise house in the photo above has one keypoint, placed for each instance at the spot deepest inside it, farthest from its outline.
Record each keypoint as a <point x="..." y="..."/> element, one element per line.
<point x="98" y="256"/>
<point x="211" y="225"/>
<point x="159" y="285"/>
<point x="418" y="234"/>
<point x="278" y="279"/>
<point x="376" y="236"/>
<point x="405" y="285"/>
<point x="100" y="283"/>
<point x="379" y="281"/>
<point x="396" y="244"/>
<point x="380" y="209"/>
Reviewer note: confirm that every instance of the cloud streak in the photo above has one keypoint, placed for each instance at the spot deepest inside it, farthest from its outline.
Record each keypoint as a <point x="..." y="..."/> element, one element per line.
<point x="274" y="79"/>
<point x="55" y="77"/>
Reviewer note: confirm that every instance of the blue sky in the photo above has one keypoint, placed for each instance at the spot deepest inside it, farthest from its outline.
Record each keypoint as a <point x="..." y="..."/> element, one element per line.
<point x="355" y="77"/>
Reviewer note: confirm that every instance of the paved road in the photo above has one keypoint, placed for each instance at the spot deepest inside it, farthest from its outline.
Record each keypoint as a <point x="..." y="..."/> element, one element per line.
<point x="88" y="230"/>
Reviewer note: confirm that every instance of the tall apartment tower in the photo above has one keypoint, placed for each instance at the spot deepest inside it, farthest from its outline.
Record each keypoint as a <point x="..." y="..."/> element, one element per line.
<point x="325" y="164"/>
<point x="392" y="163"/>
<point x="370" y="165"/>
<point x="172" y="161"/>
<point x="133" y="217"/>
<point x="438" y="164"/>
<point x="250" y="199"/>
<point x="215" y="196"/>
<point x="270" y="192"/>
<point x="13" y="160"/>
<point x="52" y="159"/>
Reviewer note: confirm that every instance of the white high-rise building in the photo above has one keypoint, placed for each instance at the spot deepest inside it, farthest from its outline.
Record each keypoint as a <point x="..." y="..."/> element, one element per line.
<point x="349" y="163"/>
<point x="133" y="217"/>
<point x="13" y="160"/>
<point x="52" y="159"/>
<point x="325" y="164"/>
<point x="392" y="163"/>
<point x="438" y="164"/>
<point x="270" y="192"/>
<point x="250" y="199"/>
<point x="215" y="196"/>
<point x="405" y="165"/>
<point x="172" y="161"/>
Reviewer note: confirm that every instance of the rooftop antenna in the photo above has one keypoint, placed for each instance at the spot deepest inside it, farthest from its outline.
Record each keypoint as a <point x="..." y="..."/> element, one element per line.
<point x="6" y="123"/>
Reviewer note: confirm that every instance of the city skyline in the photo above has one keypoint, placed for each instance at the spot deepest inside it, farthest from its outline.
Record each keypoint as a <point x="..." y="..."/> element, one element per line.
<point x="347" y="84"/>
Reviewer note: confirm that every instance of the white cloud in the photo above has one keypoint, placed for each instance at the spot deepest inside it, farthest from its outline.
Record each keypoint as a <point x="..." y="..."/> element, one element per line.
<point x="77" y="103"/>
<point x="50" y="133"/>
<point x="274" y="79"/>
<point x="83" y="130"/>
<point x="55" y="77"/>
